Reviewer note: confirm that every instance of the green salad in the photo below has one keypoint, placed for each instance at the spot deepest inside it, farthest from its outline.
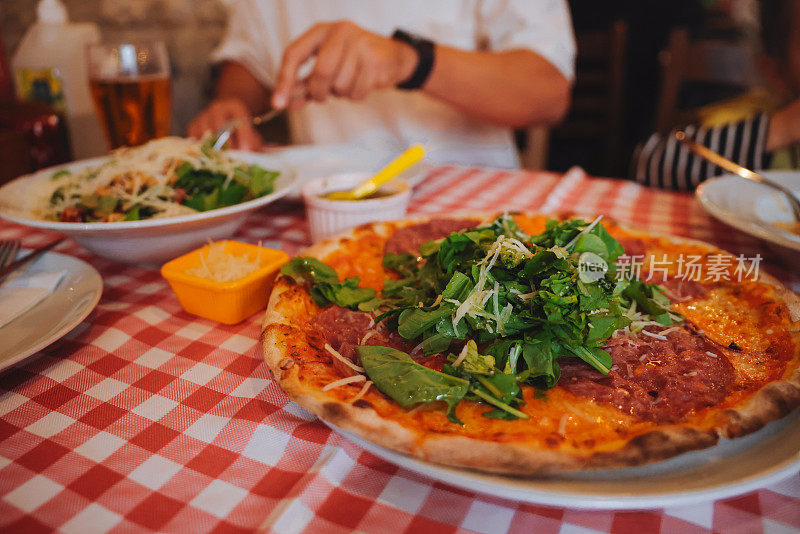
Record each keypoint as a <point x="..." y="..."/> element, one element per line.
<point x="163" y="178"/>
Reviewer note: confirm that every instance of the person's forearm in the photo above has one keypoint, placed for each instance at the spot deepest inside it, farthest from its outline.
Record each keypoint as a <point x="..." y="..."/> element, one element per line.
<point x="784" y="127"/>
<point x="236" y="82"/>
<point x="516" y="88"/>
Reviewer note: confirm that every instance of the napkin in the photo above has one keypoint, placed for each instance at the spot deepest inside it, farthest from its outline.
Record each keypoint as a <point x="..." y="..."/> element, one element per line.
<point x="25" y="291"/>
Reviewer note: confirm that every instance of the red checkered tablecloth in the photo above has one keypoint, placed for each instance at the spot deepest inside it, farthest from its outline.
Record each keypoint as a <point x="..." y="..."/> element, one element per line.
<point x="146" y="418"/>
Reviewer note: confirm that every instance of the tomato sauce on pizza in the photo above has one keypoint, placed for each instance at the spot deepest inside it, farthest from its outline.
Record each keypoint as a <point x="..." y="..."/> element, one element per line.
<point x="727" y="368"/>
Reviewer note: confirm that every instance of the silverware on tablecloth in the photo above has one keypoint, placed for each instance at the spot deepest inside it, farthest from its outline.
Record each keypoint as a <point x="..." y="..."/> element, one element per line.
<point x="8" y="251"/>
<point x="32" y="256"/>
<point x="744" y="172"/>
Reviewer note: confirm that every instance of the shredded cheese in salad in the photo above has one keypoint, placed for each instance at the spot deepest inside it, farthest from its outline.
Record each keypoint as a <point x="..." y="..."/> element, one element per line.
<point x="165" y="177"/>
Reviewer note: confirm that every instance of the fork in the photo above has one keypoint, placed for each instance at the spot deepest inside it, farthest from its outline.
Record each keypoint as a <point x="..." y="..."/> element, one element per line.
<point x="11" y="267"/>
<point x="224" y="133"/>
<point x="744" y="172"/>
<point x="8" y="251"/>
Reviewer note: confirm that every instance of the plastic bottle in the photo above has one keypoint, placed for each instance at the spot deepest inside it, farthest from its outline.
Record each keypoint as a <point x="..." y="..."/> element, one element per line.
<point x="50" y="65"/>
<point x="33" y="134"/>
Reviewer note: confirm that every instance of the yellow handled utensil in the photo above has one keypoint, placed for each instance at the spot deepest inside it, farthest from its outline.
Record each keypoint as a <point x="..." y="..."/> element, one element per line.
<point x="404" y="161"/>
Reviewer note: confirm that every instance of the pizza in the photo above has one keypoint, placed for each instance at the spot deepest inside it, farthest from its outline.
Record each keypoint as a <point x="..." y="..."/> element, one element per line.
<point x="528" y="344"/>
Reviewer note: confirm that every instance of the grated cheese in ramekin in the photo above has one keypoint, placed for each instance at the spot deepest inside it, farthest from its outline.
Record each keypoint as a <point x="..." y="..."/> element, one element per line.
<point x="222" y="266"/>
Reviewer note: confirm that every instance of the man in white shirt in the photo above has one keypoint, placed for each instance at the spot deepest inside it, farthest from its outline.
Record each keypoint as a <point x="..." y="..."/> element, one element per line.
<point x="455" y="75"/>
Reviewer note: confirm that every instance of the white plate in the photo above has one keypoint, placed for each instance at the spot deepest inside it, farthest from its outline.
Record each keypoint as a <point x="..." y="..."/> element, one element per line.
<point x="315" y="161"/>
<point x="730" y="468"/>
<point x="149" y="240"/>
<point x="753" y="208"/>
<point x="73" y="299"/>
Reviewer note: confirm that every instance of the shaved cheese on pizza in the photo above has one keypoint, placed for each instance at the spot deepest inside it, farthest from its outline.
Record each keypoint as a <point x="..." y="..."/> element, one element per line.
<point x="730" y="365"/>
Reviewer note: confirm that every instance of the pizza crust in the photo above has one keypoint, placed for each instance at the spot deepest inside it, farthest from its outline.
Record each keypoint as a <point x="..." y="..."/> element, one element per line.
<point x="772" y="402"/>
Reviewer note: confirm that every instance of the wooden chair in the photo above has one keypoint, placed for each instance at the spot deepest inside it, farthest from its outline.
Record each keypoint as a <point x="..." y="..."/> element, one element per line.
<point x="591" y="134"/>
<point x="533" y="144"/>
<point x="722" y="68"/>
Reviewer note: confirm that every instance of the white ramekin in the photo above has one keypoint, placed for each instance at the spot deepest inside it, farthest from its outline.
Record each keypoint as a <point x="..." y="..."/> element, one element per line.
<point x="330" y="217"/>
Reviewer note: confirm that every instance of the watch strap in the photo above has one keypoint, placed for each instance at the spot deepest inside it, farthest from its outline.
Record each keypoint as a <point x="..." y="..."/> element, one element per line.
<point x="425" y="57"/>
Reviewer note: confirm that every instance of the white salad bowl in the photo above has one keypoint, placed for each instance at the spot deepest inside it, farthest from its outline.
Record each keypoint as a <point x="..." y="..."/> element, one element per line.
<point x="148" y="240"/>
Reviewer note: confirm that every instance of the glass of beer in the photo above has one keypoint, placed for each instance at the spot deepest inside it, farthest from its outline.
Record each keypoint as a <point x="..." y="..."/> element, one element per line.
<point x="131" y="90"/>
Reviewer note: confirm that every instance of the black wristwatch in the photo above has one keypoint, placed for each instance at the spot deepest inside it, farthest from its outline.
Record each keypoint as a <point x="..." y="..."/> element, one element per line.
<point x="425" y="55"/>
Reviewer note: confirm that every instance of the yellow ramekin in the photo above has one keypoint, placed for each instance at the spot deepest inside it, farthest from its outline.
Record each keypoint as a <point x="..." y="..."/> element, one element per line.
<point x="224" y="302"/>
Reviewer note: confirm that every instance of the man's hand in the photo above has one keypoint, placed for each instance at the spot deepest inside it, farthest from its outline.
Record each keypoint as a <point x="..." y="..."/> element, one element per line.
<point x="350" y="62"/>
<point x="217" y="114"/>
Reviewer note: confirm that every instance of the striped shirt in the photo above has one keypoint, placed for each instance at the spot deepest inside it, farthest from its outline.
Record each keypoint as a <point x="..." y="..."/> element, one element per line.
<point x="662" y="162"/>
